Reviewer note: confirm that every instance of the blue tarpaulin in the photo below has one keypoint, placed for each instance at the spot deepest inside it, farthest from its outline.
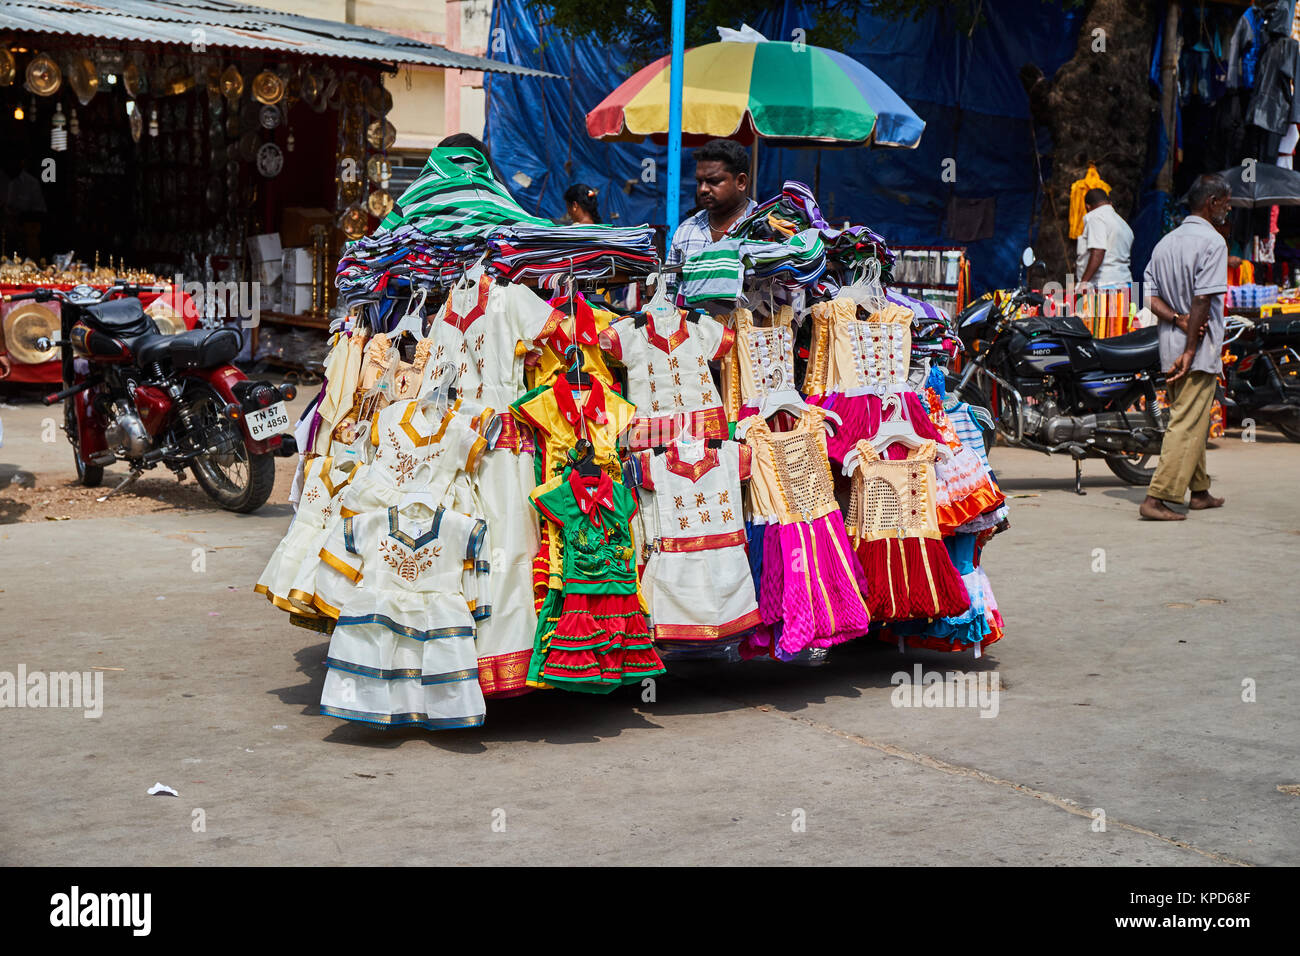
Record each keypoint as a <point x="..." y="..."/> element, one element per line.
<point x="978" y="142"/>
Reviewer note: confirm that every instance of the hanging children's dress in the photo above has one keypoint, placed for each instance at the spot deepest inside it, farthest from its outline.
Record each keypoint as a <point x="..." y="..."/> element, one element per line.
<point x="864" y="359"/>
<point x="485" y="330"/>
<point x="416" y="449"/>
<point x="574" y="323"/>
<point x="565" y="411"/>
<point x="402" y="652"/>
<point x="964" y="487"/>
<point x="973" y="629"/>
<point x="338" y="391"/>
<point x="697" y="582"/>
<point x="288" y="580"/>
<point x="407" y="435"/>
<point x="668" y="376"/>
<point x="893" y="523"/>
<point x="810" y="586"/>
<point x="602" y="639"/>
<point x="384" y="379"/>
<point x="760" y="367"/>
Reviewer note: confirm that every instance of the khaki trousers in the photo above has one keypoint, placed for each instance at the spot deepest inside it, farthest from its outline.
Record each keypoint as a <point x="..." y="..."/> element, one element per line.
<point x="1182" y="456"/>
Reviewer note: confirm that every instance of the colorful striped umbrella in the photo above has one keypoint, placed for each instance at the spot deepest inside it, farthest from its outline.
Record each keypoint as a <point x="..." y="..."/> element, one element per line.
<point x="790" y="94"/>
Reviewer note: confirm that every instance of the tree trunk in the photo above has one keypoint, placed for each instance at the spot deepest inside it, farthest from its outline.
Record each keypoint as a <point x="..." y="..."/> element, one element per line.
<point x="1098" y="108"/>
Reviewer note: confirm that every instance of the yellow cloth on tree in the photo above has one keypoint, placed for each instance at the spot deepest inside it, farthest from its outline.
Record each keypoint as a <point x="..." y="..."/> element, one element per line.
<point x="1078" y="189"/>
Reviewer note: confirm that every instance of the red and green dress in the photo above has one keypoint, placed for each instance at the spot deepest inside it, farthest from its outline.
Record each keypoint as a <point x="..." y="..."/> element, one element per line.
<point x="601" y="640"/>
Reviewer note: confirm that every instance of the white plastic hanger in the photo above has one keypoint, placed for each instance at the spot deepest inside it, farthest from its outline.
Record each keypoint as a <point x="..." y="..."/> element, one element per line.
<point x="858" y="289"/>
<point x="416" y="498"/>
<point x="781" y="395"/>
<point x="694" y="447"/>
<point x="899" y="428"/>
<point x="413" y="321"/>
<point x="437" y="390"/>
<point x="660" y="309"/>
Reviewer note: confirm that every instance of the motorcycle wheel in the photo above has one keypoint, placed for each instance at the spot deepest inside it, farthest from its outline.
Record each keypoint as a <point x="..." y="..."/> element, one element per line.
<point x="1290" y="427"/>
<point x="1133" y="469"/>
<point x="91" y="476"/>
<point x="1136" y="468"/>
<point x="232" y="477"/>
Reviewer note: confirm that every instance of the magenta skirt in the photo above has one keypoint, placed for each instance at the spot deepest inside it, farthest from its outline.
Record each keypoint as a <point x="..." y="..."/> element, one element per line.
<point x="811" y="589"/>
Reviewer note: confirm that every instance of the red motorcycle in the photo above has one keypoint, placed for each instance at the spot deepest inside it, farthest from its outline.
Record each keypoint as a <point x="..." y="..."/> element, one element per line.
<point x="134" y="395"/>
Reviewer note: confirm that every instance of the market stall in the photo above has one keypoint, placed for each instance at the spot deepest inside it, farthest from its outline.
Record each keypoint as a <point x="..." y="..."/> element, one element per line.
<point x="225" y="148"/>
<point x="508" y="485"/>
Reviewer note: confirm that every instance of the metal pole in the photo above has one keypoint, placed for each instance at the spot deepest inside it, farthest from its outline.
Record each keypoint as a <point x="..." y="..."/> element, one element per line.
<point x="672" y="205"/>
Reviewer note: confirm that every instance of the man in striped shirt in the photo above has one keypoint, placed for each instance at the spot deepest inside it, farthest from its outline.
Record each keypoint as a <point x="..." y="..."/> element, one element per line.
<point x="721" y="184"/>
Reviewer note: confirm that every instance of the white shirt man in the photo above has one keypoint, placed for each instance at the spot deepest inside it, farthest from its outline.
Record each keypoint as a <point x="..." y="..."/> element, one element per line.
<point x="1104" y="245"/>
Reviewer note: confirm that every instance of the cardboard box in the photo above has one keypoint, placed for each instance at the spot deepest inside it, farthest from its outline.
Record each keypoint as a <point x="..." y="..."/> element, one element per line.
<point x="296" y="223"/>
<point x="296" y="267"/>
<point x="295" y="299"/>
<point x="265" y="248"/>
<point x="268" y="273"/>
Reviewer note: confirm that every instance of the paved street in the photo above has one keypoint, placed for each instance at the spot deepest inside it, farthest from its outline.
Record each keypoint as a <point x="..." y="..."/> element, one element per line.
<point x="1122" y="690"/>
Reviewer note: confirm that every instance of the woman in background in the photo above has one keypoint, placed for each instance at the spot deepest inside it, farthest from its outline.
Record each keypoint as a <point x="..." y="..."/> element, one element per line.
<point x="580" y="201"/>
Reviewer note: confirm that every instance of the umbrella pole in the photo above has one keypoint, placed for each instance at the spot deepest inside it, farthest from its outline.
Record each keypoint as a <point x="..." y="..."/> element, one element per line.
<point x="753" y="169"/>
<point x="672" y="206"/>
<point x="817" y="175"/>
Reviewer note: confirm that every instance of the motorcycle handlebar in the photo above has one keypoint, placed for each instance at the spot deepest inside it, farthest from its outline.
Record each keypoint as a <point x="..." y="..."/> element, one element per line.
<point x="45" y="295"/>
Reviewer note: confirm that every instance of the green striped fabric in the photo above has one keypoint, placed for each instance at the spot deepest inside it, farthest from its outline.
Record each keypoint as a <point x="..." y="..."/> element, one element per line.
<point x="715" y="272"/>
<point x="457" y="197"/>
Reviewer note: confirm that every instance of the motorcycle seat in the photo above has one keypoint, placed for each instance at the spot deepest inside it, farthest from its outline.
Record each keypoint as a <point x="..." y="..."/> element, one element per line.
<point x="197" y="348"/>
<point x="1130" y="353"/>
<point x="121" y="317"/>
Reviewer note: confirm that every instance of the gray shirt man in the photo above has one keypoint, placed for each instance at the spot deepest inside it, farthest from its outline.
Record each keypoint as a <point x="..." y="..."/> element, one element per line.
<point x="1190" y="261"/>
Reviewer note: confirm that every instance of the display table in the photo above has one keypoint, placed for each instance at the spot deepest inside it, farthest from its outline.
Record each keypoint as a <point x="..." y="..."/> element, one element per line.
<point x="50" y="372"/>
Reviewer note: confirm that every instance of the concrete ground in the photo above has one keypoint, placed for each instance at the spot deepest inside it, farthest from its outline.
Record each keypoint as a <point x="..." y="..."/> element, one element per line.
<point x="1129" y="649"/>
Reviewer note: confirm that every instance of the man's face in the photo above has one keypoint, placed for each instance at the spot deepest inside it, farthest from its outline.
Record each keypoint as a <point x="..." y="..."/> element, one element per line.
<point x="715" y="187"/>
<point x="1219" y="208"/>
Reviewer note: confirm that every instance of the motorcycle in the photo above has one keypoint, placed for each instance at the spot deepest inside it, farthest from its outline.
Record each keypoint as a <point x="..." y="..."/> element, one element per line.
<point x="134" y="395"/>
<point x="1050" y="386"/>
<point x="1261" y="373"/>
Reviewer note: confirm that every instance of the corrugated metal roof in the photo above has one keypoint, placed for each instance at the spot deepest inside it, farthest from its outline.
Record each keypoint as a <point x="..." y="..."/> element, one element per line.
<point x="235" y="25"/>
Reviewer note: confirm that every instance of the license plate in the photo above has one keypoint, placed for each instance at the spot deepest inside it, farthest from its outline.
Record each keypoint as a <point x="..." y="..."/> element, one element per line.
<point x="268" y="421"/>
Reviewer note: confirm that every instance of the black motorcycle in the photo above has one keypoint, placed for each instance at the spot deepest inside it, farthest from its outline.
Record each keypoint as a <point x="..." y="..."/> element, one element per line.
<point x="1261" y="373"/>
<point x="1050" y="386"/>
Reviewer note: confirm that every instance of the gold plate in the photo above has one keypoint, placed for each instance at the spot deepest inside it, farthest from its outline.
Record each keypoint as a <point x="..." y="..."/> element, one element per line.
<point x="165" y="317"/>
<point x="131" y="80"/>
<point x="380" y="203"/>
<point x="381" y="134"/>
<point x="83" y="78"/>
<point x="232" y="83"/>
<point x="23" y="325"/>
<point x="7" y="68"/>
<point x="268" y="88"/>
<point x="43" y="75"/>
<point x="378" y="100"/>
<point x="350" y="190"/>
<point x="353" y="222"/>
